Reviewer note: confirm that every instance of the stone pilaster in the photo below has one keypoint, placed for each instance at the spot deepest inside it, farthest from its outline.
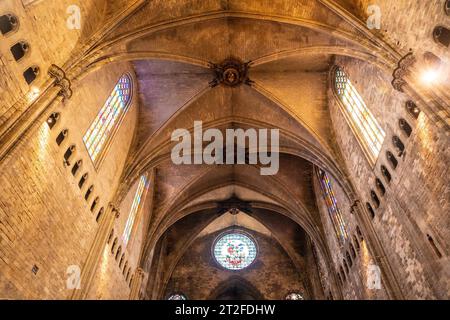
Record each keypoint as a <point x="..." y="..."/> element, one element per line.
<point x="31" y="115"/>
<point x="95" y="253"/>
<point x="376" y="249"/>
<point x="136" y="285"/>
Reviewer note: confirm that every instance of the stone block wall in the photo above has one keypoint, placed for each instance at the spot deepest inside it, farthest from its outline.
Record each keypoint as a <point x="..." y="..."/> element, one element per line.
<point x="44" y="27"/>
<point x="112" y="279"/>
<point x="416" y="203"/>
<point x="36" y="227"/>
<point x="402" y="32"/>
<point x="353" y="252"/>
<point x="272" y="265"/>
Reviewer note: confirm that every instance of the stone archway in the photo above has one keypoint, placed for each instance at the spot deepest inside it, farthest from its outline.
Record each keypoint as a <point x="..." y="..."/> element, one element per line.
<point x="236" y="288"/>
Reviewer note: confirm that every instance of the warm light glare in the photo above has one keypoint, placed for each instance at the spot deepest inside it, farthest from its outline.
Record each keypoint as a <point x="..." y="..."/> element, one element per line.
<point x="430" y="76"/>
<point x="43" y="137"/>
<point x="33" y="94"/>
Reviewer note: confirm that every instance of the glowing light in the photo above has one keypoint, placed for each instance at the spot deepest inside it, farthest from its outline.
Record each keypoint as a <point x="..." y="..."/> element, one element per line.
<point x="430" y="76"/>
<point x="432" y="68"/>
<point x="33" y="94"/>
<point x="43" y="137"/>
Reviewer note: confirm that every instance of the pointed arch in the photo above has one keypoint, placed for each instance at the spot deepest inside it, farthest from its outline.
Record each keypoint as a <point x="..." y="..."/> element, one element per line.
<point x="108" y="119"/>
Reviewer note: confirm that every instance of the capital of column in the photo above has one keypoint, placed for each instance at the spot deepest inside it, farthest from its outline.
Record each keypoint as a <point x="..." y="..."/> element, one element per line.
<point x="61" y="81"/>
<point x="354" y="206"/>
<point x="140" y="272"/>
<point x="115" y="209"/>
<point x="402" y="70"/>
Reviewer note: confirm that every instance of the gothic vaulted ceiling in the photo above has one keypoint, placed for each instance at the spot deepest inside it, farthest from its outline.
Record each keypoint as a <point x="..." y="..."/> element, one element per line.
<point x="289" y="47"/>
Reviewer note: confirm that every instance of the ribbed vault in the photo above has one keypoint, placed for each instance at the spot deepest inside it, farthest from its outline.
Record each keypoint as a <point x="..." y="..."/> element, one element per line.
<point x="290" y="47"/>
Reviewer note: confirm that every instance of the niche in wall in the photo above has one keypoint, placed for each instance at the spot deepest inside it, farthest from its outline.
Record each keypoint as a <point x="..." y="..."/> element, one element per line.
<point x="8" y="23"/>
<point x="31" y="74"/>
<point x="19" y="50"/>
<point x="441" y="35"/>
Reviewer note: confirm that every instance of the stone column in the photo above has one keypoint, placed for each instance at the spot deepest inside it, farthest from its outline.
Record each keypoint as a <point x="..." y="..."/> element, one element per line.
<point x="95" y="253"/>
<point x="136" y="284"/>
<point x="55" y="91"/>
<point x="156" y="271"/>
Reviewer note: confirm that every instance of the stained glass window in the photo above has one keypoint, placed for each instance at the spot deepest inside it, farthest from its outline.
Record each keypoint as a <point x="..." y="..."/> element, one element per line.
<point x="143" y="184"/>
<point x="177" y="296"/>
<point x="294" y="296"/>
<point x="235" y="251"/>
<point x="332" y="206"/>
<point x="370" y="133"/>
<point x="108" y="118"/>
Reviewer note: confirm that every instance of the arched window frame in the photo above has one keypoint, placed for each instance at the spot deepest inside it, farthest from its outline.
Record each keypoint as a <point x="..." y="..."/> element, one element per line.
<point x="99" y="214"/>
<point x="15" y="25"/>
<point x="177" y="296"/>
<point x="111" y="235"/>
<point x="368" y="132"/>
<point x="356" y="242"/>
<point x="138" y="200"/>
<point x="294" y="296"/>
<point x="113" y="247"/>
<point x="118" y="252"/>
<point x="53" y="119"/>
<point x="334" y="212"/>
<point x="122" y="259"/>
<point x="102" y="139"/>
<point x="76" y="167"/>
<point x="20" y="50"/>
<point x="31" y="74"/>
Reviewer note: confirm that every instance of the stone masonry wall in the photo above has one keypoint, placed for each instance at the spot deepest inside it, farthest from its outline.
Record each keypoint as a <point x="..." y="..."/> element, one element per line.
<point x="43" y="25"/>
<point x="112" y="279"/>
<point x="416" y="203"/>
<point x="36" y="227"/>
<point x="197" y="274"/>
<point x="359" y="259"/>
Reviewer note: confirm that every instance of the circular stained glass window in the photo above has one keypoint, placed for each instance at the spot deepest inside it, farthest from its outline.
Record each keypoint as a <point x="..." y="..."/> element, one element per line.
<point x="294" y="296"/>
<point x="177" y="296"/>
<point x="235" y="251"/>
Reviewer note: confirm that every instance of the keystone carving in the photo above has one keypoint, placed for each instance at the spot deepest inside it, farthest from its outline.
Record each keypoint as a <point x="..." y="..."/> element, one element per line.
<point x="230" y="73"/>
